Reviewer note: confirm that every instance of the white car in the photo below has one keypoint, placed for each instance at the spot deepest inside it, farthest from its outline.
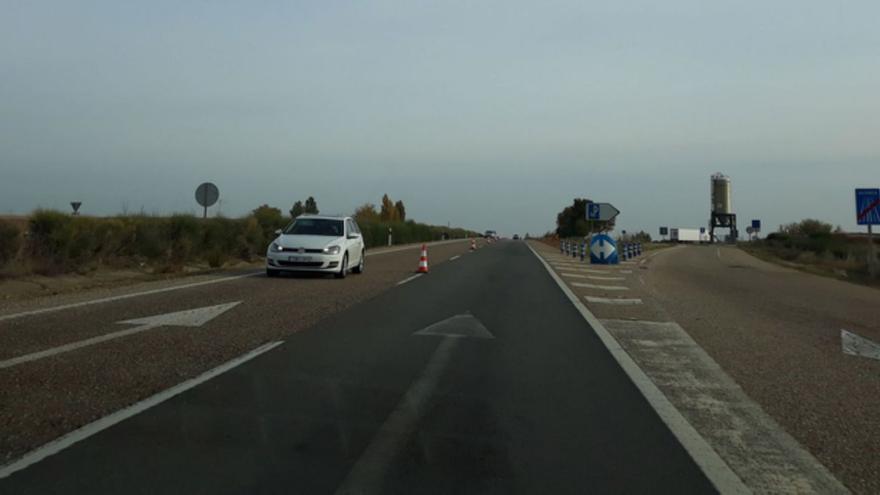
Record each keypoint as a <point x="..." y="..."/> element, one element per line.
<point x="314" y="243"/>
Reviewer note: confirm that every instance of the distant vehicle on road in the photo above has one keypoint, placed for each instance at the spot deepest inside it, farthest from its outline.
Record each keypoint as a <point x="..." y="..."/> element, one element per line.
<point x="687" y="235"/>
<point x="490" y="234"/>
<point x="515" y="237"/>
<point x="314" y="243"/>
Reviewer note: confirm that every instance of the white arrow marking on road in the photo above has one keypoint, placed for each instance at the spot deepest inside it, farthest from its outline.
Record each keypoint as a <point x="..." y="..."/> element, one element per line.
<point x="368" y="473"/>
<point x="856" y="345"/>
<point x="189" y="318"/>
<point x="458" y="326"/>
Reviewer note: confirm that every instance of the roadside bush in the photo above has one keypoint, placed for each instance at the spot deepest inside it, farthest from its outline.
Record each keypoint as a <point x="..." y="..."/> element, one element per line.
<point x="215" y="258"/>
<point x="58" y="242"/>
<point x="10" y="242"/>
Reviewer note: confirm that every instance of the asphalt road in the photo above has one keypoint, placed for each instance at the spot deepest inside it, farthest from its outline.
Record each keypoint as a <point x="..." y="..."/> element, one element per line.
<point x="776" y="331"/>
<point x="525" y="398"/>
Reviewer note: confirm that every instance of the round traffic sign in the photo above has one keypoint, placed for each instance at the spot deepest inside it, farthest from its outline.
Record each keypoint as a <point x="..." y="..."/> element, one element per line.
<point x="207" y="194"/>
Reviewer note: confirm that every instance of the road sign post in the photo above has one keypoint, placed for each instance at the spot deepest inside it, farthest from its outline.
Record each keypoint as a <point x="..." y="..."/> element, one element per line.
<point x="868" y="213"/>
<point x="206" y="195"/>
<point x="75" y="205"/>
<point x="603" y="250"/>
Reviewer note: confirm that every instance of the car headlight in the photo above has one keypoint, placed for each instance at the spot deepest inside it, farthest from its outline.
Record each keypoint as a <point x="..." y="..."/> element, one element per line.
<point x="276" y="247"/>
<point x="332" y="250"/>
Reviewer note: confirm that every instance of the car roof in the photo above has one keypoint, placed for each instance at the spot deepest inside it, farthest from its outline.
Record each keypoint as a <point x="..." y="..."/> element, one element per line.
<point x="324" y="217"/>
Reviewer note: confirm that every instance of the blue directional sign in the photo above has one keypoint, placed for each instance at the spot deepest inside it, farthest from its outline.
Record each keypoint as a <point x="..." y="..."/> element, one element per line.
<point x="756" y="225"/>
<point x="603" y="250"/>
<point x="601" y="212"/>
<point x="868" y="206"/>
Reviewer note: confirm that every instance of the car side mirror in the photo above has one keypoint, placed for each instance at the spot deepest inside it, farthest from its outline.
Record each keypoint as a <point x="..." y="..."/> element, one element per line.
<point x="354" y="236"/>
<point x="278" y="232"/>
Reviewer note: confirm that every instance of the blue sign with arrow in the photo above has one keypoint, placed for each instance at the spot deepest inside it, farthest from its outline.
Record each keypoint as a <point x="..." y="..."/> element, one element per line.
<point x="603" y="250"/>
<point x="756" y="225"/>
<point x="602" y="212"/>
<point x="868" y="206"/>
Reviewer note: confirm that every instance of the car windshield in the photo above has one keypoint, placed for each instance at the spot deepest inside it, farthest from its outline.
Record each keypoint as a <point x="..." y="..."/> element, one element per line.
<point x="315" y="226"/>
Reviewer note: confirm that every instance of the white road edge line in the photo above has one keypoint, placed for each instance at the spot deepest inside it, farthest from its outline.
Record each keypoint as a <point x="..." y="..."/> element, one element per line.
<point x="186" y="286"/>
<point x="457" y="256"/>
<point x="102" y="424"/>
<point x="703" y="455"/>
<point x="410" y="279"/>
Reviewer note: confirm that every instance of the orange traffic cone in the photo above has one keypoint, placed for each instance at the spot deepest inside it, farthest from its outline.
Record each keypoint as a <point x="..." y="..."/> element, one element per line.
<point x="473" y="244"/>
<point x="423" y="261"/>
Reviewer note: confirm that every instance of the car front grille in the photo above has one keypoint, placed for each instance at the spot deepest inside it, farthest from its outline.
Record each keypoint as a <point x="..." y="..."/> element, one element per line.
<point x="305" y="264"/>
<point x="296" y="250"/>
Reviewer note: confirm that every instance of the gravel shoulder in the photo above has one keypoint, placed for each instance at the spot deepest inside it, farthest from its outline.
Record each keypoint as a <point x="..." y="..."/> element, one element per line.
<point x="776" y="331"/>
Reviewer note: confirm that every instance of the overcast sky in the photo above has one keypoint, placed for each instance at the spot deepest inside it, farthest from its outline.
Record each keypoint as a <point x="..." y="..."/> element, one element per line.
<point x="482" y="114"/>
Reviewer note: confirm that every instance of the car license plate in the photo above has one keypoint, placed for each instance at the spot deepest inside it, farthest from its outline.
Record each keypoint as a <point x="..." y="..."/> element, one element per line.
<point x="300" y="258"/>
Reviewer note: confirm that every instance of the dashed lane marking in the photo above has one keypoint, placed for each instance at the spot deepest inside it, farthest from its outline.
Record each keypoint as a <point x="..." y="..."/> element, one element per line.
<point x="600" y="287"/>
<point x="410" y="279"/>
<point x="613" y="300"/>
<point x="573" y="275"/>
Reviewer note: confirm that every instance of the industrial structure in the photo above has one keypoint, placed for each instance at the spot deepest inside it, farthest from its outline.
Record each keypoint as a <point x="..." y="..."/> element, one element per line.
<point x="722" y="208"/>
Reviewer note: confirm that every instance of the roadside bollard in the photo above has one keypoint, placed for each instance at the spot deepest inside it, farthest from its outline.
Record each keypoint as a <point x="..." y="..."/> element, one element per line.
<point x="623" y="252"/>
<point x="574" y="249"/>
<point x="561" y="246"/>
<point x="639" y="249"/>
<point x="583" y="250"/>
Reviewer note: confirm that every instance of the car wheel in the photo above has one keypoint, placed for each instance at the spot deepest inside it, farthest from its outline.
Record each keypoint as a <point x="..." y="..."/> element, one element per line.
<point x="271" y="273"/>
<point x="360" y="267"/>
<point x="343" y="268"/>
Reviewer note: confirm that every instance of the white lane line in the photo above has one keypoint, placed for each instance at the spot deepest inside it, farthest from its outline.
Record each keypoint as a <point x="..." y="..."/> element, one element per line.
<point x="368" y="473"/>
<point x="457" y="256"/>
<point x="642" y="262"/>
<point x="572" y="275"/>
<point x="94" y="427"/>
<point x="410" y="279"/>
<point x="594" y="277"/>
<point x="581" y="270"/>
<point x="718" y="253"/>
<point x="626" y="271"/>
<point x="125" y="296"/>
<point x="712" y="465"/>
<point x="187" y="286"/>
<point x="600" y="287"/>
<point x="613" y="300"/>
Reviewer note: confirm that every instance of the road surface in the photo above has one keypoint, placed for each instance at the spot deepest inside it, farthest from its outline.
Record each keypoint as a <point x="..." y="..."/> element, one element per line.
<point x="481" y="377"/>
